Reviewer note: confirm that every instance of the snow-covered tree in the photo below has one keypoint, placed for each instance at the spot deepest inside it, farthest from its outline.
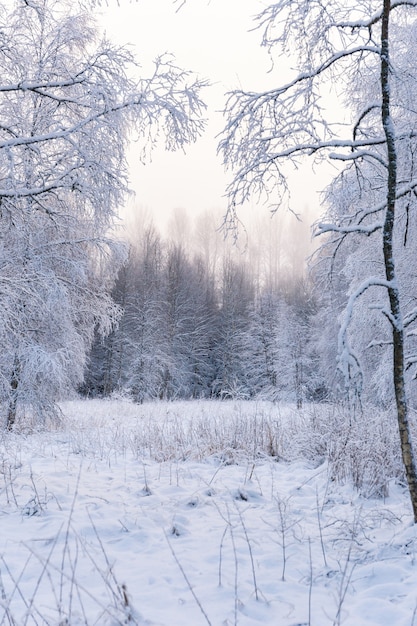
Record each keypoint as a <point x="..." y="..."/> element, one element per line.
<point x="283" y="361"/>
<point x="68" y="106"/>
<point x="340" y="44"/>
<point x="233" y="343"/>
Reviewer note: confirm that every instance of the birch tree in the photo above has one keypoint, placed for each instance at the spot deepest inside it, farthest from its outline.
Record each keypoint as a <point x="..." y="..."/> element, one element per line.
<point x="68" y="107"/>
<point x="341" y="44"/>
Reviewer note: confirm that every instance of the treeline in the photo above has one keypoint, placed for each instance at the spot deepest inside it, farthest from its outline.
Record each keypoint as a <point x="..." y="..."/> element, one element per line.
<point x="202" y="319"/>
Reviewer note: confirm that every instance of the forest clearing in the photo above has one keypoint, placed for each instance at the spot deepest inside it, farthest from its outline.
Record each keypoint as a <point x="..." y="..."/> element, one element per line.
<point x="222" y="513"/>
<point x="202" y="426"/>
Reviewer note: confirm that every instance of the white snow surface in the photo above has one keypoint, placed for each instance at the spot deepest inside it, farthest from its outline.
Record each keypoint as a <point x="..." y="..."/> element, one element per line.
<point x="126" y="514"/>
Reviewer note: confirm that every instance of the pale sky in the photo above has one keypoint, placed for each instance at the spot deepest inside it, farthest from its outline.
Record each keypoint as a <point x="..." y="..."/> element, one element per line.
<point x="212" y="38"/>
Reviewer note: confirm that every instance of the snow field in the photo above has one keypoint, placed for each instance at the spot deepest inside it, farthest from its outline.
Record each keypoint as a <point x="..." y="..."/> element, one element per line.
<point x="174" y="514"/>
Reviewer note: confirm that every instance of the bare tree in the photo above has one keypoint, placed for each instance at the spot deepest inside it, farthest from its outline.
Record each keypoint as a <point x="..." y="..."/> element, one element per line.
<point x="341" y="44"/>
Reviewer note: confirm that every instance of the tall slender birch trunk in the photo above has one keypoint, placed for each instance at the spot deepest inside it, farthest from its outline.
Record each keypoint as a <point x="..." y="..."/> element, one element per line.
<point x="393" y="293"/>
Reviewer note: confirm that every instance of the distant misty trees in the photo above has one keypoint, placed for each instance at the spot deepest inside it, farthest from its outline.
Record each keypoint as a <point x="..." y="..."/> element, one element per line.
<point x="201" y="325"/>
<point x="68" y="105"/>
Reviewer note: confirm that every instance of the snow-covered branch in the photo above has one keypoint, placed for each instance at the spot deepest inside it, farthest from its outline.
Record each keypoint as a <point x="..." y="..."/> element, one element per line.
<point x="347" y="358"/>
<point x="322" y="228"/>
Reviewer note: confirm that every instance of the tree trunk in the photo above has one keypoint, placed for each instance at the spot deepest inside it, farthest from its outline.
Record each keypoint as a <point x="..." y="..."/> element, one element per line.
<point x="12" y="406"/>
<point x="393" y="292"/>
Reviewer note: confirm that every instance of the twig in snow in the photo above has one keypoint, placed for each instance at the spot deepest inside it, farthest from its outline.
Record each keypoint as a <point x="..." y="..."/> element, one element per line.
<point x="200" y="606"/>
<point x="310" y="586"/>
<point x="320" y="530"/>
<point x="255" y="584"/>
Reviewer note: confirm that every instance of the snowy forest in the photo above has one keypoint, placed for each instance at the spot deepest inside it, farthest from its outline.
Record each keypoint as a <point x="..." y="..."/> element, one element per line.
<point x="212" y="422"/>
<point x="191" y="317"/>
<point x="204" y="319"/>
<point x="84" y="310"/>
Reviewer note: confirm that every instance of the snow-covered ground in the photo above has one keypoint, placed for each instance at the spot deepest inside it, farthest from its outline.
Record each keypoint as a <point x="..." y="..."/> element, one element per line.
<point x="176" y="514"/>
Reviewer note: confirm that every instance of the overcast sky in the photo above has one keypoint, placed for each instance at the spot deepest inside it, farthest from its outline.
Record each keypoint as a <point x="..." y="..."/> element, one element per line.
<point x="212" y="38"/>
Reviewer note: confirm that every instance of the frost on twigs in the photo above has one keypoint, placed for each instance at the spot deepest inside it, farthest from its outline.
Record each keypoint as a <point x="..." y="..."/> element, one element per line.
<point x="348" y="361"/>
<point x="266" y="130"/>
<point x="351" y="52"/>
<point x="168" y="104"/>
<point x="69" y="104"/>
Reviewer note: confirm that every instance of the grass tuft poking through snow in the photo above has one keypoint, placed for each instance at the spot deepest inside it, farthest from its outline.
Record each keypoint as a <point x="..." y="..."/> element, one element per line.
<point x="221" y="513"/>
